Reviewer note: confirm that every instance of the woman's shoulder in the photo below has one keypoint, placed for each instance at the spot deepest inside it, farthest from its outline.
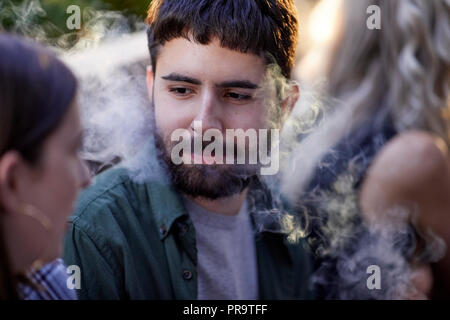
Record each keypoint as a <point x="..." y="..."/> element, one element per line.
<point x="411" y="158"/>
<point x="411" y="169"/>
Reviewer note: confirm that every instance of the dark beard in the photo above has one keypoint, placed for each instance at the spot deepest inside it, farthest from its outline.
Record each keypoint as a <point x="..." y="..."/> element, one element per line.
<point x="205" y="181"/>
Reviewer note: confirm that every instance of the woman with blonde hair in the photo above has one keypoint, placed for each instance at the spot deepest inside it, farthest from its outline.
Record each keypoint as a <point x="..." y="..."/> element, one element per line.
<point x="382" y="157"/>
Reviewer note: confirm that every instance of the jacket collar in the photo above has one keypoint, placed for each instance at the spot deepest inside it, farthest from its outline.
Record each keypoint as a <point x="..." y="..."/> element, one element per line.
<point x="165" y="201"/>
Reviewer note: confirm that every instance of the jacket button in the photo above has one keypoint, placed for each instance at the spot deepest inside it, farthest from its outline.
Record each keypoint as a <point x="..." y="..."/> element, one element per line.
<point x="162" y="229"/>
<point x="187" y="275"/>
<point x="184" y="229"/>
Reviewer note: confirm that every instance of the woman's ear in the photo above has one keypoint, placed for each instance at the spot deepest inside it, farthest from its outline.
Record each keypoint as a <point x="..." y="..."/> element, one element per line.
<point x="289" y="102"/>
<point x="150" y="80"/>
<point x="9" y="195"/>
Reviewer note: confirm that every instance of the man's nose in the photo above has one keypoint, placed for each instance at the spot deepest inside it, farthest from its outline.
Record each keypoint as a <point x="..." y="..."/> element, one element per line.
<point x="209" y="112"/>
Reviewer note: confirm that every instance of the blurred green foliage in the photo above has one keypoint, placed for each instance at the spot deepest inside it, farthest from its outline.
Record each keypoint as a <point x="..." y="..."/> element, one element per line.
<point x="56" y="9"/>
<point x="46" y="19"/>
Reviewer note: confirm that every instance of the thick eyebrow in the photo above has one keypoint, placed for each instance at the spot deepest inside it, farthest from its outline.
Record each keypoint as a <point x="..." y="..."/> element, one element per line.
<point x="226" y="84"/>
<point x="180" y="78"/>
<point x="245" y="84"/>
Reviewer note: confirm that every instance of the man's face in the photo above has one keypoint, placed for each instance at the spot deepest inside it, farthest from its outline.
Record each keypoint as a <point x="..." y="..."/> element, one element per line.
<point x="216" y="86"/>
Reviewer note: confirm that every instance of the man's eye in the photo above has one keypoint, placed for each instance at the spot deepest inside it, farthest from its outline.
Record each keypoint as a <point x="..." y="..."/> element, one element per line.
<point x="238" y="96"/>
<point x="181" y="91"/>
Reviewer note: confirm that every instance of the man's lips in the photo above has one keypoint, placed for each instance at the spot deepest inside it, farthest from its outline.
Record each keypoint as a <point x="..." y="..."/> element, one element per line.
<point x="202" y="159"/>
<point x="205" y="158"/>
<point x="195" y="158"/>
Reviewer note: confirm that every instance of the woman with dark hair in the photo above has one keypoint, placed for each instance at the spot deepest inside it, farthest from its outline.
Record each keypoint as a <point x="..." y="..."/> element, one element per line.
<point x="40" y="170"/>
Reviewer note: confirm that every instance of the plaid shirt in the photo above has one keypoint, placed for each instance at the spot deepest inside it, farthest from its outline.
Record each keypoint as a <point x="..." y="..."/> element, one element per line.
<point x="50" y="283"/>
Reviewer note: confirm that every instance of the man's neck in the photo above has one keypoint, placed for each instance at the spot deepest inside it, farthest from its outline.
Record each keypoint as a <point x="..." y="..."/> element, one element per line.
<point x="227" y="206"/>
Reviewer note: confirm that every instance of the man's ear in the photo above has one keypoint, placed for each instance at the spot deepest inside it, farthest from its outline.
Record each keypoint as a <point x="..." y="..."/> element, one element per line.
<point x="289" y="102"/>
<point x="9" y="164"/>
<point x="150" y="80"/>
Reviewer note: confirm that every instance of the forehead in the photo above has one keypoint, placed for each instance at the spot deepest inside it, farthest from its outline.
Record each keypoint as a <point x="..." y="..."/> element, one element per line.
<point x="208" y="62"/>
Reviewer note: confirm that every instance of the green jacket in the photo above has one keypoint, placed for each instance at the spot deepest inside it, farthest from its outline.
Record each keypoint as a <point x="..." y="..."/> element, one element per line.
<point x="134" y="240"/>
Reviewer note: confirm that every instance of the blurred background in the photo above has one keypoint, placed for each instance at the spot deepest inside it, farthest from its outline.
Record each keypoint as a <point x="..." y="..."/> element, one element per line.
<point x="45" y="21"/>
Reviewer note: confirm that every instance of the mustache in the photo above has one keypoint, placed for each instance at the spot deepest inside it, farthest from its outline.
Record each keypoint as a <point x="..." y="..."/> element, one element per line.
<point x="205" y="144"/>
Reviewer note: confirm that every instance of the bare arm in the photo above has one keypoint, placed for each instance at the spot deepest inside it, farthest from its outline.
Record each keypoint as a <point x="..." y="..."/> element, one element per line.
<point x="411" y="172"/>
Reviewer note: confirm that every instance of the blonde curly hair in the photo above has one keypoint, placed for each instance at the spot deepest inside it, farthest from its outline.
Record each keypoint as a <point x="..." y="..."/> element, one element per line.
<point x="404" y="66"/>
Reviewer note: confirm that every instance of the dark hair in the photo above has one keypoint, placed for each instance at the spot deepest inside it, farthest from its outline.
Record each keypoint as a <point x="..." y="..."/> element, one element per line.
<point x="36" y="90"/>
<point x="266" y="27"/>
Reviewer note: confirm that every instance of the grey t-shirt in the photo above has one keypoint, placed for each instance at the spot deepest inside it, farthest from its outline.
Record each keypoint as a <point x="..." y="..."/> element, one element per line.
<point x="225" y="253"/>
